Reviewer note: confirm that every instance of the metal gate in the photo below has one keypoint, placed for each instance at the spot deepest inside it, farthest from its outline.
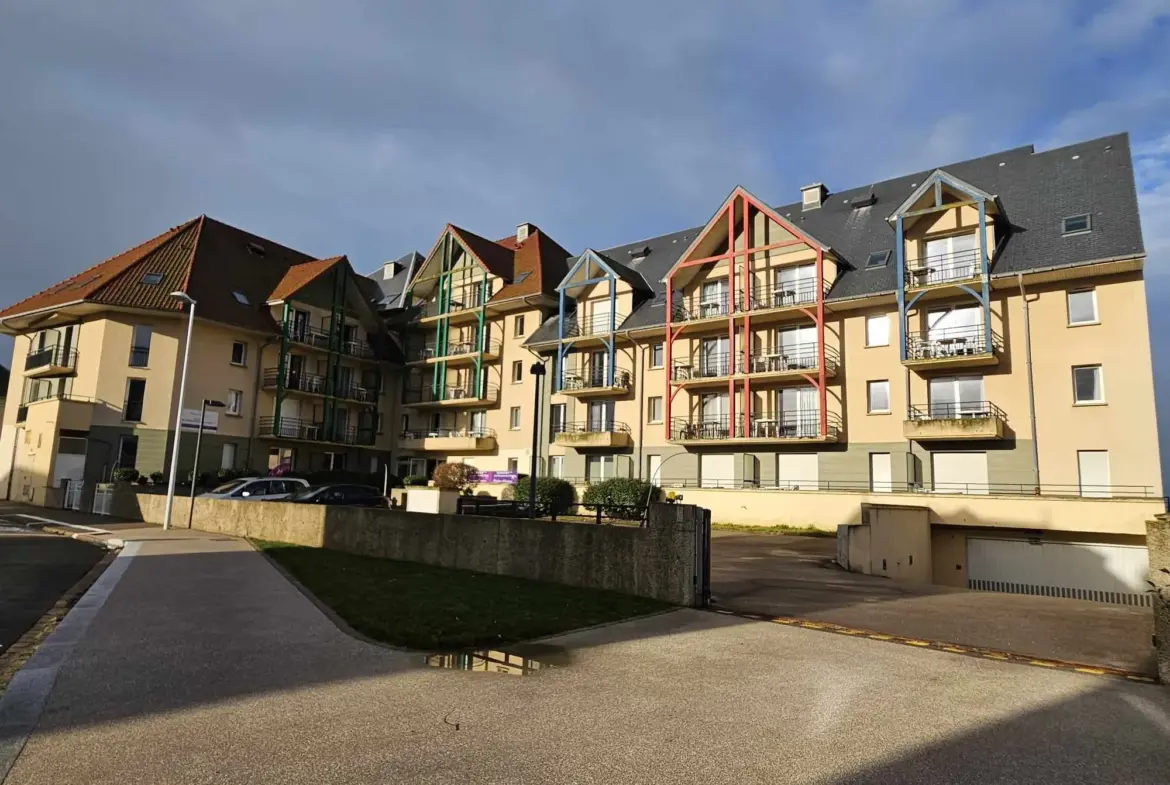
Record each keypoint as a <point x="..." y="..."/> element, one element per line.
<point x="103" y="494"/>
<point x="703" y="559"/>
<point x="73" y="490"/>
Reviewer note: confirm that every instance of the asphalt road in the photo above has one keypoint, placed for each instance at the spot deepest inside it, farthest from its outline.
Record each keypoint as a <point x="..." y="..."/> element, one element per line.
<point x="35" y="570"/>
<point x="205" y="665"/>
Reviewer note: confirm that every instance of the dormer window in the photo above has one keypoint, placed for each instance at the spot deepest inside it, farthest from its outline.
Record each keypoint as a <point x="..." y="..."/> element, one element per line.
<point x="1076" y="224"/>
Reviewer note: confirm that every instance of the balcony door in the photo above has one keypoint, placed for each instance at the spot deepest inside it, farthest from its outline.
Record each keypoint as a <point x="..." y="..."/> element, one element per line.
<point x="798" y="411"/>
<point x="713" y="298"/>
<point x="951" y="258"/>
<point x="954" y="330"/>
<point x="478" y="422"/>
<point x="713" y="416"/>
<point x="797" y="347"/>
<point x="713" y="357"/>
<point x="599" y="319"/>
<point x="600" y="416"/>
<point x="953" y="397"/>
<point x="598" y="369"/>
<point x="300" y="325"/>
<point x="793" y="285"/>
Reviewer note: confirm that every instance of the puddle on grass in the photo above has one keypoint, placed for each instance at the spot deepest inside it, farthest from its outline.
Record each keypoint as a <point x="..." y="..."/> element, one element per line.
<point x="522" y="660"/>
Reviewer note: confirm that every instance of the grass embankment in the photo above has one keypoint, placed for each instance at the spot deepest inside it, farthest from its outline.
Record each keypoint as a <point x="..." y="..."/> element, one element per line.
<point x="806" y="531"/>
<point x="423" y="607"/>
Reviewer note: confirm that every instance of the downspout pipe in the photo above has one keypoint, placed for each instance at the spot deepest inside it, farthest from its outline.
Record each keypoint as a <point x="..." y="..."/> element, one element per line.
<point x="1031" y="386"/>
<point x="256" y="400"/>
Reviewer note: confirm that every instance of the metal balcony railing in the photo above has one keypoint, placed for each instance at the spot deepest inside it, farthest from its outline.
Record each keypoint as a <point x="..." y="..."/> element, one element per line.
<point x="805" y="425"/>
<point x="485" y="393"/>
<point x="945" y="342"/>
<point x="597" y="324"/>
<point x="944" y="268"/>
<point x="595" y="425"/>
<point x="465" y="300"/>
<point x="322" y="339"/>
<point x="596" y="377"/>
<point x="760" y="297"/>
<point x="55" y="356"/>
<point x="785" y="295"/>
<point x="958" y="410"/>
<point x="312" y="431"/>
<point x="449" y="433"/>
<point x="139" y="356"/>
<point x="795" y="357"/>
<point x="318" y="385"/>
<point x="707" y="366"/>
<point x="454" y="349"/>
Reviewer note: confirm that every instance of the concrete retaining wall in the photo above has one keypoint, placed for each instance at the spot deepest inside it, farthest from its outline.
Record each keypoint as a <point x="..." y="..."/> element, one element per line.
<point x="1158" y="541"/>
<point x="658" y="561"/>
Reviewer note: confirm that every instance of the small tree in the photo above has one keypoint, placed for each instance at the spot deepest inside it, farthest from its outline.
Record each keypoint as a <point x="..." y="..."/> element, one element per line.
<point x="414" y="480"/>
<point x="454" y="476"/>
<point x="619" y="497"/>
<point x="553" y="495"/>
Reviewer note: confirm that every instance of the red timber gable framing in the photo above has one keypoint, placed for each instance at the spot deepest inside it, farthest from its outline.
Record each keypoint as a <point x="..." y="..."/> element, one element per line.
<point x="739" y="219"/>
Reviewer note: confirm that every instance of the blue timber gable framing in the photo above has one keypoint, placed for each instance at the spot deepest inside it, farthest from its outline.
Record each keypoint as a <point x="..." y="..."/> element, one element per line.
<point x="596" y="271"/>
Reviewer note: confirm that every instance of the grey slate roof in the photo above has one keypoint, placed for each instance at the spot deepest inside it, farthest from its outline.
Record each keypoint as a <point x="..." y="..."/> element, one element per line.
<point x="1035" y="190"/>
<point x="399" y="270"/>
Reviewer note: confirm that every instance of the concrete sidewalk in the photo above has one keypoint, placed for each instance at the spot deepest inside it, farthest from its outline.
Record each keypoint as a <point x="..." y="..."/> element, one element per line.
<point x="205" y="665"/>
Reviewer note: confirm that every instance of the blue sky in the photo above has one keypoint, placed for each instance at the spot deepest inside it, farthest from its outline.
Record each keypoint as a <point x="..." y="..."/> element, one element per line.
<point x="362" y="127"/>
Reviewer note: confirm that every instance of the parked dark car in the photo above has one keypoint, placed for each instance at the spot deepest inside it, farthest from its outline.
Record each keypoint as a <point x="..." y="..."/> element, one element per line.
<point x="340" y="494"/>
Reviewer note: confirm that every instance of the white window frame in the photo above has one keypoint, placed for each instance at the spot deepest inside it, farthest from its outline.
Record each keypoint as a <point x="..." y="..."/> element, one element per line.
<point x="518" y="326"/>
<point x="1100" y="399"/>
<point x="660" y="349"/>
<point x="556" y="466"/>
<point x="873" y="319"/>
<point x="514" y="419"/>
<point x="869" y="388"/>
<point x="650" y="417"/>
<point x="517" y="372"/>
<point x="1068" y="307"/>
<point x="239" y="401"/>
<point x="243" y="363"/>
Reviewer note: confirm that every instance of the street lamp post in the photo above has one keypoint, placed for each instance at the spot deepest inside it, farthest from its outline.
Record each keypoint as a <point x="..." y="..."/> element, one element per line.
<point x="198" y="444"/>
<point x="537" y="370"/>
<point x="190" y="301"/>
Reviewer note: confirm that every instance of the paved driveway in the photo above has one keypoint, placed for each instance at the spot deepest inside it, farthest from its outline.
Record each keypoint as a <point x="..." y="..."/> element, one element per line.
<point x="786" y="575"/>
<point x="204" y="665"/>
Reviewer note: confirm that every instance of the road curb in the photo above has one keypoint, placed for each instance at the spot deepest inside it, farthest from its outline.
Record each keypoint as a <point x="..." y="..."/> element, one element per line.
<point x="962" y="649"/>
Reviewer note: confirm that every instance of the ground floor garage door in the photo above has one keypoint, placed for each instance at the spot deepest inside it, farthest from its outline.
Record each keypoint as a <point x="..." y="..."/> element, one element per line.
<point x="1083" y="571"/>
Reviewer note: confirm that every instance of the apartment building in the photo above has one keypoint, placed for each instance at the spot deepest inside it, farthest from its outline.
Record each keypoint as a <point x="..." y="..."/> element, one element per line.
<point x="463" y="319"/>
<point x="291" y="345"/>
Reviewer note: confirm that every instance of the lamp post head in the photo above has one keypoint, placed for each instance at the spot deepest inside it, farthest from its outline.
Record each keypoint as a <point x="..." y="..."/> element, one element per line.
<point x="537" y="369"/>
<point x="184" y="297"/>
<point x="214" y="404"/>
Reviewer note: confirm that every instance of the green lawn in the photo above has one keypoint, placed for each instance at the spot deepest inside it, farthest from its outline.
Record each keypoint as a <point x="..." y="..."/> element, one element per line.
<point x="807" y="531"/>
<point x="424" y="607"/>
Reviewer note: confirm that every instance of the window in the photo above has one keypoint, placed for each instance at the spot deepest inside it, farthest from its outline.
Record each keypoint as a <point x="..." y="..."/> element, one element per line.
<point x="956" y="397"/>
<point x="1087" y="384"/>
<point x="556" y="466"/>
<point x="960" y="472"/>
<point x="517" y="372"/>
<point x="135" y="394"/>
<point x="228" y="458"/>
<point x="1093" y="471"/>
<point x="518" y="327"/>
<point x="656" y="355"/>
<point x="877" y="259"/>
<point x="140" y="346"/>
<point x="556" y="418"/>
<point x="1082" y="307"/>
<point x="128" y="452"/>
<point x="405" y="423"/>
<point x="1076" y="224"/>
<point x="152" y="279"/>
<point x="877" y="330"/>
<point x="796" y="471"/>
<point x="514" y="418"/>
<point x="235" y="402"/>
<point x="514" y="464"/>
<point x="239" y="353"/>
<point x="878" y="396"/>
<point x="241" y="298"/>
<point x="600" y="467"/>
<point x="654" y="408"/>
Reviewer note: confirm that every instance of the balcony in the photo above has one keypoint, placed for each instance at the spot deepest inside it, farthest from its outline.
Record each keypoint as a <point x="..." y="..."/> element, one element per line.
<point x="461" y="306"/>
<point x="449" y="440"/>
<point x="465" y="396"/>
<point x="64" y="409"/>
<point x="51" y="361"/>
<point x="593" y="380"/>
<point x="592" y="435"/>
<point x="581" y="329"/>
<point x="708" y="368"/>
<point x="952" y="347"/>
<point x="315" y="385"/>
<point x="299" y="430"/>
<point x="791" y="362"/>
<point x="324" y="341"/>
<point x="961" y="420"/>
<point x="783" y="429"/>
<point x="943" y="269"/>
<point x="456" y="353"/>
<point x="762" y="300"/>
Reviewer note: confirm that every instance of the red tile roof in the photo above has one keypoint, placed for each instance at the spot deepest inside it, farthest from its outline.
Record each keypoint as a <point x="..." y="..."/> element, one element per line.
<point x="300" y="275"/>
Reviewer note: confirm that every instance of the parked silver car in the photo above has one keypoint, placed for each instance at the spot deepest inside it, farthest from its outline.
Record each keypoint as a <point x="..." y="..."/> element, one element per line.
<point x="253" y="488"/>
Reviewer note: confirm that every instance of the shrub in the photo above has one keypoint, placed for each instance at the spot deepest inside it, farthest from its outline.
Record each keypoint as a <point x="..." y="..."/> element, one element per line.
<point x="553" y="495"/>
<point x="226" y="475"/>
<point x="617" y="494"/>
<point x="126" y="474"/>
<point x="142" y="479"/>
<point x="414" y="480"/>
<point x="157" y="478"/>
<point x="454" y="476"/>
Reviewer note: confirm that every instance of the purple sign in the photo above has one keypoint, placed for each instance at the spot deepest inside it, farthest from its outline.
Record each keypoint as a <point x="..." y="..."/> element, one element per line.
<point x="508" y="477"/>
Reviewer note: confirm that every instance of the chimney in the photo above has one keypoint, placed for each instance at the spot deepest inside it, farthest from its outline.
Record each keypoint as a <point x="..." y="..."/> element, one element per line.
<point x="813" y="196"/>
<point x="522" y="232"/>
<point x="391" y="269"/>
